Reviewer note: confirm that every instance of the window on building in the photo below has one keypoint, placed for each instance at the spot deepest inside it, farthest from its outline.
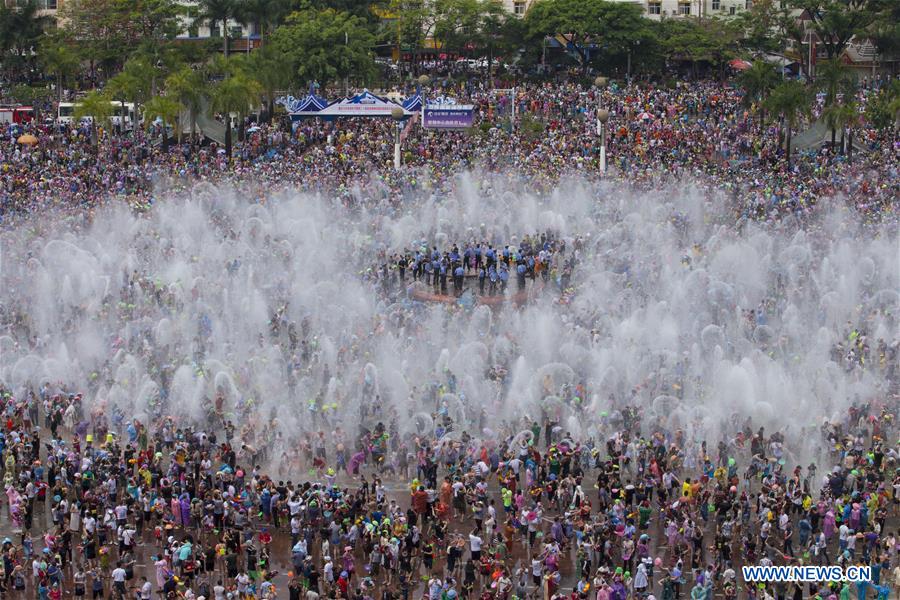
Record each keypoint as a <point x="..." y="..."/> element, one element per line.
<point x="654" y="8"/>
<point x="237" y="32"/>
<point x="519" y="7"/>
<point x="732" y="10"/>
<point x="716" y="4"/>
<point x="214" y="30"/>
<point x="684" y="8"/>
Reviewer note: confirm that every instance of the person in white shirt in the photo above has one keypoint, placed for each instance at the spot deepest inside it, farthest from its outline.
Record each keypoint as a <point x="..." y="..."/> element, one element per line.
<point x="90" y="524"/>
<point x="475" y="545"/>
<point x="146" y="589"/>
<point x="118" y="577"/>
<point x="219" y="591"/>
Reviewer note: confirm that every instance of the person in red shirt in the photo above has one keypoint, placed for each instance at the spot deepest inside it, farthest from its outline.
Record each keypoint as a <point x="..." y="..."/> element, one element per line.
<point x="343" y="584"/>
<point x="420" y="501"/>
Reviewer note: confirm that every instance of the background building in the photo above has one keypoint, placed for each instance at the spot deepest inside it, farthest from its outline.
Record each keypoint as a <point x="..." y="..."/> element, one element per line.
<point x="658" y="9"/>
<point x="47" y="7"/>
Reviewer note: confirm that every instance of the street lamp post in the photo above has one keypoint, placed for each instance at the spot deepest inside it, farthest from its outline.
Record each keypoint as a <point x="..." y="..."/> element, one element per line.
<point x="602" y="118"/>
<point x="397" y="114"/>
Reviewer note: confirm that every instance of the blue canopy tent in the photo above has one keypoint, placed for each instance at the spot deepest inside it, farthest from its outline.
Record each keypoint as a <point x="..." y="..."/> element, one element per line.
<point x="413" y="104"/>
<point x="301" y="108"/>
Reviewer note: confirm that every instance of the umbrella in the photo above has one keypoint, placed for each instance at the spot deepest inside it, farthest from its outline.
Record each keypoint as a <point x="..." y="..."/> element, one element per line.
<point x="645" y="116"/>
<point x="27" y="139"/>
<point x="739" y="65"/>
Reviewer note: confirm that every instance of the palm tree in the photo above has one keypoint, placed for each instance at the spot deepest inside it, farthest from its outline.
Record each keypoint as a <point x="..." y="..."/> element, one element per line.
<point x="186" y="86"/>
<point x="791" y="100"/>
<point x="59" y="59"/>
<point x="214" y="12"/>
<point x="270" y="71"/>
<point x="98" y="107"/>
<point x="167" y="109"/>
<point x="832" y="115"/>
<point x="835" y="79"/>
<point x="234" y="94"/>
<point x="758" y="82"/>
<point x="133" y="83"/>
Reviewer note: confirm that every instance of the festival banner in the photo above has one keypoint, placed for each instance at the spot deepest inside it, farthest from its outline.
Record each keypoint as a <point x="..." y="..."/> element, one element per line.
<point x="364" y="104"/>
<point x="441" y="116"/>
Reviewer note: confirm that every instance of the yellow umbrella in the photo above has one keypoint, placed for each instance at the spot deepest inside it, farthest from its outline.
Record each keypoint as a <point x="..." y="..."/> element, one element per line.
<point x="27" y="139"/>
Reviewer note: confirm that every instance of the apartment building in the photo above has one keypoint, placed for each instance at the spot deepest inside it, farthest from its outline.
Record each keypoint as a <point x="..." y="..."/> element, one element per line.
<point x="659" y="9"/>
<point x="46" y="7"/>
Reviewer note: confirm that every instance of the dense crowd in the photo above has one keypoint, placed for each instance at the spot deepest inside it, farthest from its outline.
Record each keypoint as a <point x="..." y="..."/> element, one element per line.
<point x="111" y="507"/>
<point x="697" y="131"/>
<point x="642" y="502"/>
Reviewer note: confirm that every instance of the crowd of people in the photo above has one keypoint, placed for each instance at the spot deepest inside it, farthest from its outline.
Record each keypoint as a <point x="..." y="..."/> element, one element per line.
<point x="697" y="131"/>
<point x="639" y="503"/>
<point x="136" y="510"/>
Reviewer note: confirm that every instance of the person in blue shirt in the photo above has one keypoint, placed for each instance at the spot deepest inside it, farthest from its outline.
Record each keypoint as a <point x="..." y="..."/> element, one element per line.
<point x="504" y="278"/>
<point x="490" y="256"/>
<point x="492" y="276"/>
<point x="436" y="273"/>
<point x="458" y="275"/>
<point x="520" y="275"/>
<point x="444" y="267"/>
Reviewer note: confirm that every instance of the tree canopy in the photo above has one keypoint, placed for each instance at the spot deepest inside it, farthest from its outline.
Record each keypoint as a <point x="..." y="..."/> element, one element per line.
<point x="326" y="45"/>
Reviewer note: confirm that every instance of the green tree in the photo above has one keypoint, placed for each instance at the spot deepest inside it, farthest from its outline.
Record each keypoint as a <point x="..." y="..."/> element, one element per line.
<point x="712" y="41"/>
<point x="462" y="25"/>
<point x="268" y="68"/>
<point x="885" y="33"/>
<point x="757" y="82"/>
<point x="21" y="28"/>
<point x="883" y="111"/>
<point x="760" y="25"/>
<point x="134" y="83"/>
<point x="326" y="45"/>
<point x="835" y="22"/>
<point x="108" y="32"/>
<point x="613" y="25"/>
<point x="167" y="110"/>
<point x="792" y="100"/>
<point x="265" y="15"/>
<point x="96" y="106"/>
<point x="214" y="12"/>
<point x="235" y="94"/>
<point x="58" y="58"/>
<point x="835" y="79"/>
<point x="187" y="86"/>
<point x="406" y="24"/>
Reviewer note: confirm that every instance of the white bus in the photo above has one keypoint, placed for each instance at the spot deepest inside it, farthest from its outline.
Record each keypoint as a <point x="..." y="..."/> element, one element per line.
<point x="122" y="114"/>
